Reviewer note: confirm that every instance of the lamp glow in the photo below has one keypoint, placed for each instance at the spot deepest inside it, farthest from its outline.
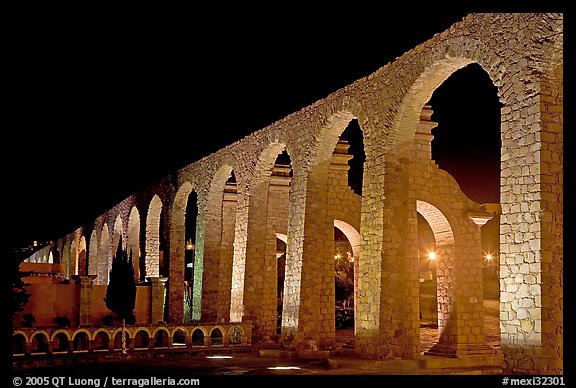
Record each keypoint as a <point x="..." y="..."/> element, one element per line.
<point x="432" y="255"/>
<point x="283" y="367"/>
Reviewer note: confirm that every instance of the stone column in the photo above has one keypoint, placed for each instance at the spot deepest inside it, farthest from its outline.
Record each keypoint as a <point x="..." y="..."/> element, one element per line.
<point x="308" y="317"/>
<point x="387" y="322"/>
<point x="157" y="298"/>
<point x="85" y="298"/>
<point x="259" y="297"/>
<point x="227" y="251"/>
<point x="213" y="223"/>
<point x="460" y="295"/>
<point x="176" y="272"/>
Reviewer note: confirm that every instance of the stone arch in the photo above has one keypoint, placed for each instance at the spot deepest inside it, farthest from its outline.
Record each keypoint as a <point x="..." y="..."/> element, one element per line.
<point x="351" y="234"/>
<point x="73" y="267"/>
<point x="355" y="239"/>
<point x="61" y="341"/>
<point x="104" y="258"/>
<point x="441" y="227"/>
<point x="253" y="294"/>
<point x="177" y="246"/>
<point x="142" y="329"/>
<point x="82" y="331"/>
<point x="179" y="336"/>
<point x="57" y="255"/>
<point x="81" y="267"/>
<point x="66" y="259"/>
<point x="142" y="337"/>
<point x="161" y="328"/>
<point x="38" y="345"/>
<point x="81" y="340"/>
<point x="309" y="259"/>
<point x="19" y="342"/>
<point x="217" y="336"/>
<point x="133" y="243"/>
<point x="185" y="330"/>
<point x="212" y="265"/>
<point x="100" y="331"/>
<point x="160" y="336"/>
<point x="93" y="254"/>
<point x="66" y="333"/>
<point x="448" y="262"/>
<point x="26" y="338"/>
<point x="118" y="234"/>
<point x="388" y="174"/>
<point x="438" y="63"/>
<point x="198" y="336"/>
<point x="117" y="338"/>
<point x="101" y="340"/>
<point x="152" y="254"/>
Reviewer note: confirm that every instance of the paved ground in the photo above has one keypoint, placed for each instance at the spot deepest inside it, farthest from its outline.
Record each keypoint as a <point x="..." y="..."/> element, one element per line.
<point x="429" y="334"/>
<point x="249" y="363"/>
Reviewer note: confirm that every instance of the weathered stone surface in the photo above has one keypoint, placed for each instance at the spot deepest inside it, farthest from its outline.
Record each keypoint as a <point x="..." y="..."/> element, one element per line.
<point x="523" y="55"/>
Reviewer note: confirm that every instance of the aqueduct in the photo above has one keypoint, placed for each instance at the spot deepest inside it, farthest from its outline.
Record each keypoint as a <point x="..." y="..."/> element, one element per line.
<point x="289" y="179"/>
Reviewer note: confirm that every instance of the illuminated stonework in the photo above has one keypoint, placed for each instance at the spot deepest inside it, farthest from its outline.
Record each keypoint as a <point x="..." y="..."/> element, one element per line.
<point x="237" y="224"/>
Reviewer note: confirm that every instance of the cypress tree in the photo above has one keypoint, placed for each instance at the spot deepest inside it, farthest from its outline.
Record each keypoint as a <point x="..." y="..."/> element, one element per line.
<point x="121" y="291"/>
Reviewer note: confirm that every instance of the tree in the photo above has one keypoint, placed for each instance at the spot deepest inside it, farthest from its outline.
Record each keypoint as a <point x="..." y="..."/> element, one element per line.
<point x="121" y="291"/>
<point x="19" y="295"/>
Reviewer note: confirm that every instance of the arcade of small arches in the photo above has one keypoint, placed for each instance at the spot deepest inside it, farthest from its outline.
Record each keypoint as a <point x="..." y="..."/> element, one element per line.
<point x="213" y="228"/>
<point x="28" y="341"/>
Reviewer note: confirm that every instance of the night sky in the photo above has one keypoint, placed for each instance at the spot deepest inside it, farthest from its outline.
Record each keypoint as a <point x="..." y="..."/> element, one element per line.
<point x="106" y="108"/>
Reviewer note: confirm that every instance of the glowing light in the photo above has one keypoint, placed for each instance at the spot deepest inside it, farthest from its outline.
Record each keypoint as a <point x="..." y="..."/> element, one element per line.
<point x="489" y="257"/>
<point x="283" y="367"/>
<point x="219" y="357"/>
<point x="336" y="256"/>
<point x="432" y="255"/>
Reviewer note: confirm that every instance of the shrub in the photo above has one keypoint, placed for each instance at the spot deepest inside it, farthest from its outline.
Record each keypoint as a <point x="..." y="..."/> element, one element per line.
<point x="28" y="320"/>
<point x="108" y="320"/>
<point x="62" y="321"/>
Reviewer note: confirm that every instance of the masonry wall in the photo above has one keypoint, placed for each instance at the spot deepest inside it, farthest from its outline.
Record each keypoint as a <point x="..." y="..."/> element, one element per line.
<point x="48" y="301"/>
<point x="141" y="309"/>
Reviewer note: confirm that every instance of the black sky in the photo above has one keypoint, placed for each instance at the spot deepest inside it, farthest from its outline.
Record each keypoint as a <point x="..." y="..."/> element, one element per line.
<point x="107" y="107"/>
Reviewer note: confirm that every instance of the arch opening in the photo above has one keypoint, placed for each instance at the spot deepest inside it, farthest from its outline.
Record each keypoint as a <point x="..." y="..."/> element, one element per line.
<point x="198" y="338"/>
<point x="468" y="95"/>
<point x="18" y="344"/>
<point x="81" y="342"/>
<point x="153" y="256"/>
<point x="133" y="243"/>
<point x="104" y="256"/>
<point x="39" y="343"/>
<point x="101" y="341"/>
<point x="179" y="338"/>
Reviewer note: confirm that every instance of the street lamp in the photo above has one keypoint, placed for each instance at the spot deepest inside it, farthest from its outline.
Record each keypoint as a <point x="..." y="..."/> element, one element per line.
<point x="432" y="255"/>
